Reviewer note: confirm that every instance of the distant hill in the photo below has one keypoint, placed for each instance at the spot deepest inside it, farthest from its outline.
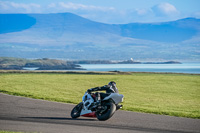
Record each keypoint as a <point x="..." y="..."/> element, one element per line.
<point x="10" y="63"/>
<point x="173" y="32"/>
<point x="66" y="35"/>
<point x="15" y="22"/>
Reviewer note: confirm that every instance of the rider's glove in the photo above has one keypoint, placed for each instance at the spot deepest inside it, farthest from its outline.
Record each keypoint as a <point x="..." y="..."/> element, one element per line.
<point x="89" y="90"/>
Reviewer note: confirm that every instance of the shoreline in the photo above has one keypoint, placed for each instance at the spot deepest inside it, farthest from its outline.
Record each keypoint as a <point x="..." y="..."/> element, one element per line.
<point x="89" y="72"/>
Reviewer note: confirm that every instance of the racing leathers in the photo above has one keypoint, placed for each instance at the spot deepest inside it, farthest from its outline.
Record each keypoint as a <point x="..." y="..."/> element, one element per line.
<point x="110" y="88"/>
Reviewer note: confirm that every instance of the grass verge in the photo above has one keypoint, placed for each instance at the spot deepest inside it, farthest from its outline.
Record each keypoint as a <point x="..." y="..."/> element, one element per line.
<point x="3" y="131"/>
<point x="167" y="94"/>
<point x="9" y="132"/>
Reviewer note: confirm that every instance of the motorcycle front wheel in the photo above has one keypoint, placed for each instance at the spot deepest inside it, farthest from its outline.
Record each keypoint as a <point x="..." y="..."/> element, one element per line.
<point x="108" y="113"/>
<point x="75" y="113"/>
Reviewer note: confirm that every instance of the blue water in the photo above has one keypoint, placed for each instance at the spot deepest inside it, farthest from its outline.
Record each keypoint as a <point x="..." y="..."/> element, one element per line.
<point x="174" y="68"/>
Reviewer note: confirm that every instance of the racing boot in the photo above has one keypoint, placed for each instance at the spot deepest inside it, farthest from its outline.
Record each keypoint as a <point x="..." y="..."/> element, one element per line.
<point x="119" y="107"/>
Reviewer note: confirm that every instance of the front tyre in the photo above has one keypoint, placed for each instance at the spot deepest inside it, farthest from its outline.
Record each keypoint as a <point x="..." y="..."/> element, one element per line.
<point x="108" y="113"/>
<point x="75" y="113"/>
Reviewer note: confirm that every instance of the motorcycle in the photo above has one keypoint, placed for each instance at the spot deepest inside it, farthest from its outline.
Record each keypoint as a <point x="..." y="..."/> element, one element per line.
<point x="104" y="111"/>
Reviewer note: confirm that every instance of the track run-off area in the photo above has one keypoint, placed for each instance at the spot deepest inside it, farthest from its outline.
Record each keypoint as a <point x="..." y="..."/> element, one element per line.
<point x="32" y="115"/>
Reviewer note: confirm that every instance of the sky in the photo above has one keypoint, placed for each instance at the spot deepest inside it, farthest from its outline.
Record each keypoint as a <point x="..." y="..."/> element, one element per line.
<point x="109" y="11"/>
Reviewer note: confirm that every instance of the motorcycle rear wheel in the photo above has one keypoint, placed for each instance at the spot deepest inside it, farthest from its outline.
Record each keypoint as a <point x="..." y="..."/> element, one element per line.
<point x="75" y="113"/>
<point x="108" y="113"/>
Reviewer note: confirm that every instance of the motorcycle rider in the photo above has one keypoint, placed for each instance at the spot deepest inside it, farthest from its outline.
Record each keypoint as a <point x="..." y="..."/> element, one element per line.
<point x="110" y="88"/>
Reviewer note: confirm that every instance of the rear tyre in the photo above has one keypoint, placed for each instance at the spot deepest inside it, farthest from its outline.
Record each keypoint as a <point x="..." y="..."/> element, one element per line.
<point x="75" y="113"/>
<point x="108" y="113"/>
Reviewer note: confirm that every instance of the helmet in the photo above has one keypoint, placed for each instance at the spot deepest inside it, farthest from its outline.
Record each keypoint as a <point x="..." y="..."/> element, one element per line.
<point x="113" y="87"/>
<point x="111" y="83"/>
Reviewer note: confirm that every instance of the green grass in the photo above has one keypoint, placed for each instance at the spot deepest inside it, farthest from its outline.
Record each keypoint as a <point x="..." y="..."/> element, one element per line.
<point x="168" y="94"/>
<point x="9" y="132"/>
<point x="3" y="131"/>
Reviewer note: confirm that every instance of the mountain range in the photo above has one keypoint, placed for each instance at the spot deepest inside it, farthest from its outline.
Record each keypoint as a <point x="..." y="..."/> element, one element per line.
<point x="69" y="36"/>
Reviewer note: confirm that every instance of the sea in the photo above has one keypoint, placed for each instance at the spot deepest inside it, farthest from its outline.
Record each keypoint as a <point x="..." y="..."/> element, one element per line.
<point x="193" y="68"/>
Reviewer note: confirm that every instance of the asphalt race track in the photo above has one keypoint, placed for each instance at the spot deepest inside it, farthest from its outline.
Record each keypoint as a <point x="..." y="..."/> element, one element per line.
<point x="30" y="115"/>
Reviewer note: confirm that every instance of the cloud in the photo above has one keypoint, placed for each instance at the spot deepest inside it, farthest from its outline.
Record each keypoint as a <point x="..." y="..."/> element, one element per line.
<point x="96" y="13"/>
<point x="157" y="13"/>
<point x="165" y="9"/>
<point x="196" y="14"/>
<point x="12" y="7"/>
<point x="69" y="6"/>
<point x="141" y="11"/>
